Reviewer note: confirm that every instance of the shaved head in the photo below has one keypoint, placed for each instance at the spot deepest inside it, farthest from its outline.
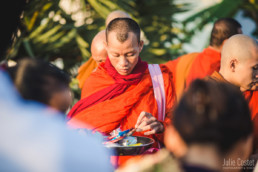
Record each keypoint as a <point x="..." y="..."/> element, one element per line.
<point x="116" y="14"/>
<point x="240" y="47"/>
<point x="239" y="61"/>
<point x="98" y="50"/>
<point x="122" y="27"/>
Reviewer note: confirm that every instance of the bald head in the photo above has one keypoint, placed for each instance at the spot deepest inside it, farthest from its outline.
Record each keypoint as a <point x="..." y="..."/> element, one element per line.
<point x="238" y="46"/>
<point x="116" y="14"/>
<point x="239" y="61"/>
<point x="98" y="50"/>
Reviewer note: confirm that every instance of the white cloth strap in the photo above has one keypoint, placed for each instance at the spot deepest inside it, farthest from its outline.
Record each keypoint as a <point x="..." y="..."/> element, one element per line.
<point x="158" y="87"/>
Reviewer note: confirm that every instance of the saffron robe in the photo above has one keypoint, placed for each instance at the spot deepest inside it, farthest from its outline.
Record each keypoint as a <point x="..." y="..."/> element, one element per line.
<point x="252" y="99"/>
<point x="180" y="69"/>
<point x="85" y="70"/>
<point x="123" y="110"/>
<point x="204" y="64"/>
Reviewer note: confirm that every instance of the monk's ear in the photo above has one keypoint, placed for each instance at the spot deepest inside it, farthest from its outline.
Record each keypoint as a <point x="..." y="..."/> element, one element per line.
<point x="141" y="45"/>
<point x="105" y="44"/>
<point x="233" y="64"/>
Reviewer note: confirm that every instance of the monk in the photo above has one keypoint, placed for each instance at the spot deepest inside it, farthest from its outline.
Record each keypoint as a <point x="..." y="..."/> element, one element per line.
<point x="119" y="94"/>
<point x="198" y="65"/>
<point x="98" y="50"/>
<point x="239" y="66"/>
<point x="98" y="53"/>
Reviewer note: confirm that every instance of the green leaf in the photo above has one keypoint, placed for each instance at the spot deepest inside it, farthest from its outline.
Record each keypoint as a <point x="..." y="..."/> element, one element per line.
<point x="48" y="34"/>
<point x="28" y="48"/>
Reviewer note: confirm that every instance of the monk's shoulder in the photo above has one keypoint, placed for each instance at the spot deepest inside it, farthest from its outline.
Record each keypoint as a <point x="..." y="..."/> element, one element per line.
<point x="98" y="79"/>
<point x="171" y="64"/>
<point x="167" y="74"/>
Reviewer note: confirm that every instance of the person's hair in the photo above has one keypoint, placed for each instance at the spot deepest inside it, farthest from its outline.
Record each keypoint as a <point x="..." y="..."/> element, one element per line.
<point x="213" y="113"/>
<point x="223" y="29"/>
<point x="11" y="13"/>
<point x="37" y="80"/>
<point x="122" y="26"/>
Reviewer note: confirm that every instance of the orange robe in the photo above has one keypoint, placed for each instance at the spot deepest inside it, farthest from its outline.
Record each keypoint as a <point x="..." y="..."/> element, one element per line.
<point x="85" y="70"/>
<point x="252" y="99"/>
<point x="180" y="68"/>
<point x="204" y="64"/>
<point x="123" y="110"/>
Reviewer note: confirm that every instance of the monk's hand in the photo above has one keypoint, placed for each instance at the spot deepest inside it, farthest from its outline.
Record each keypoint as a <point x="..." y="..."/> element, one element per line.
<point x="146" y="121"/>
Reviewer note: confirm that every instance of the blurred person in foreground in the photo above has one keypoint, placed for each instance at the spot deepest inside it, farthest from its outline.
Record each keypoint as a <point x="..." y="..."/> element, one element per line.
<point x="120" y="93"/>
<point x="200" y="64"/>
<point x="214" y="121"/>
<point x="34" y="141"/>
<point x="98" y="50"/>
<point x="31" y="141"/>
<point x="43" y="82"/>
<point x="239" y="67"/>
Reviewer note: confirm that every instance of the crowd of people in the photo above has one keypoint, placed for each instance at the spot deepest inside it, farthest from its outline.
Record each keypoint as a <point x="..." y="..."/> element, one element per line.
<point x="200" y="109"/>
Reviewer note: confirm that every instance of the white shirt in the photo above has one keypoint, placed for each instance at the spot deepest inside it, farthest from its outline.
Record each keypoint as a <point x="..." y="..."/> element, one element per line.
<point x="33" y="141"/>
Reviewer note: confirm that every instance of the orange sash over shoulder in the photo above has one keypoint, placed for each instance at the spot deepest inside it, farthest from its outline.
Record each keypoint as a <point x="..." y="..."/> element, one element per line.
<point x="85" y="70"/>
<point x="204" y="64"/>
<point x="252" y="98"/>
<point x="123" y="110"/>
<point x="180" y="68"/>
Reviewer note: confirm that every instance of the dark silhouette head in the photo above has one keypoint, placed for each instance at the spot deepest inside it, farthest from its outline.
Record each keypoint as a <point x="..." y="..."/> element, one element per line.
<point x="11" y="11"/>
<point x="213" y="113"/>
<point x="223" y="29"/>
<point x="43" y="82"/>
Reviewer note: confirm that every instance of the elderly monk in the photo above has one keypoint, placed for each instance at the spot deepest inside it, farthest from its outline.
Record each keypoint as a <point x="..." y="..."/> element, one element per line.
<point x="119" y="94"/>
<point x="198" y="65"/>
<point x="239" y="66"/>
<point x="98" y="51"/>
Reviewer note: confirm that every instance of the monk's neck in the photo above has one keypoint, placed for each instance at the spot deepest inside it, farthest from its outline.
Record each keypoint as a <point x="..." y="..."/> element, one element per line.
<point x="228" y="77"/>
<point x="218" y="49"/>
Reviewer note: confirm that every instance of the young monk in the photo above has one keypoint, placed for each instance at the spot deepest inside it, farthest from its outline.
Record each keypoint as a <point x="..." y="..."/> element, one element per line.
<point x="239" y="66"/>
<point x="98" y="50"/>
<point x="119" y="94"/>
<point x="198" y="65"/>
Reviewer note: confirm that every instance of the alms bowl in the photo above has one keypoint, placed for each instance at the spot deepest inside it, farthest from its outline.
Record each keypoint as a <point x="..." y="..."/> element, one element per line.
<point x="121" y="150"/>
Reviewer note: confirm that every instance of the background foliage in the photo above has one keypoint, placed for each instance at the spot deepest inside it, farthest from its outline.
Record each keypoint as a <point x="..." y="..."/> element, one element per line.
<point x="224" y="8"/>
<point x="62" y="30"/>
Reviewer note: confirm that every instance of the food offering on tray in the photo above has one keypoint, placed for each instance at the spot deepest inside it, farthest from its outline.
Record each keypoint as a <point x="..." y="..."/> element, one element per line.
<point x="124" y="136"/>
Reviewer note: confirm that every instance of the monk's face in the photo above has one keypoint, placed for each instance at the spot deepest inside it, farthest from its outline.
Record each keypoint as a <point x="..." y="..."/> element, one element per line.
<point x="247" y="72"/>
<point x="123" y="55"/>
<point x="99" y="56"/>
